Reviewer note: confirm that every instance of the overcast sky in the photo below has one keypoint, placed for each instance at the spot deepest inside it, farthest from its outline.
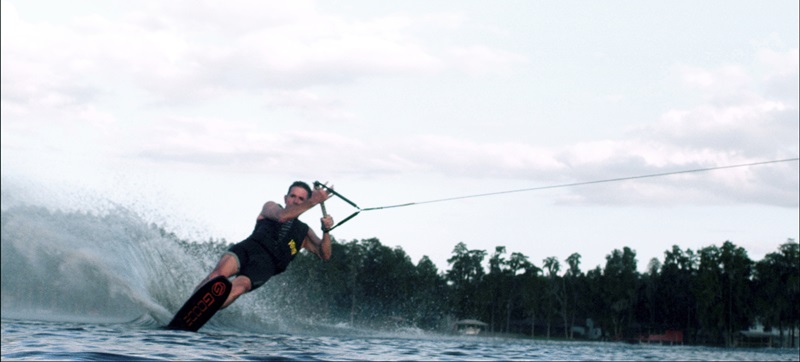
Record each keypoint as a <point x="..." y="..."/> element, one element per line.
<point x="194" y="113"/>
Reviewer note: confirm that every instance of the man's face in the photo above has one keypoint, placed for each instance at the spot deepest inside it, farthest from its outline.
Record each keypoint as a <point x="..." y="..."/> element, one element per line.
<point x="297" y="195"/>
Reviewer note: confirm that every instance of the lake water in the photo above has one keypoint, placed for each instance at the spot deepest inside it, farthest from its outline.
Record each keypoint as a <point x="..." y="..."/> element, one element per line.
<point x="39" y="340"/>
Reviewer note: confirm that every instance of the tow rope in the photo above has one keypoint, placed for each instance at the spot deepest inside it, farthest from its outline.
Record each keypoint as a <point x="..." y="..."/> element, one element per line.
<point x="329" y="190"/>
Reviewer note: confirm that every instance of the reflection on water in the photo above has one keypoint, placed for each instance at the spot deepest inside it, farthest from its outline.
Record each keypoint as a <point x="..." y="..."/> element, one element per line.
<point x="61" y="340"/>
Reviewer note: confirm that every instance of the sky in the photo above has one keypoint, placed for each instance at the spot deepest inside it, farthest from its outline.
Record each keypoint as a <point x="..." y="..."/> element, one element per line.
<point x="195" y="113"/>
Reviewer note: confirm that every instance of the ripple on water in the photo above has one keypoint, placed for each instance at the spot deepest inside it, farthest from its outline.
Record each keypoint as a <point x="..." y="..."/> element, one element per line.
<point x="25" y="340"/>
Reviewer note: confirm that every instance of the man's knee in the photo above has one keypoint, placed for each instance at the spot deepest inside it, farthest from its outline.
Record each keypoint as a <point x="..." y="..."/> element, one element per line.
<point x="228" y="265"/>
<point x="240" y="285"/>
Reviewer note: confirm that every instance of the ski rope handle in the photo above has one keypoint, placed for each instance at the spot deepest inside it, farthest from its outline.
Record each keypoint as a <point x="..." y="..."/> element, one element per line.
<point x="319" y="185"/>
<point x="324" y="211"/>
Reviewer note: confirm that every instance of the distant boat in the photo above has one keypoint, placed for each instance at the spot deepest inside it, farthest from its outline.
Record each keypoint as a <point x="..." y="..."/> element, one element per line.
<point x="469" y="326"/>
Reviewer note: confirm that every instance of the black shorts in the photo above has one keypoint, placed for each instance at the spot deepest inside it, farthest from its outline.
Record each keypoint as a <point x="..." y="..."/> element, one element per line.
<point x="255" y="262"/>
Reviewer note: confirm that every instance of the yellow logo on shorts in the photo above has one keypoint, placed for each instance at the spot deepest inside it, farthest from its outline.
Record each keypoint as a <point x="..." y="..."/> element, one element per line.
<point x="293" y="246"/>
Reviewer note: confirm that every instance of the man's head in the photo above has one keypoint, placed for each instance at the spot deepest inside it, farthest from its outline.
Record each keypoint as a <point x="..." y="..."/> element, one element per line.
<point x="298" y="193"/>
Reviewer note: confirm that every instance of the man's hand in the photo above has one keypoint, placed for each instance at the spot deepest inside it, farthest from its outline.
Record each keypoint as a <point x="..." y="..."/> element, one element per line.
<point x="318" y="196"/>
<point x="327" y="223"/>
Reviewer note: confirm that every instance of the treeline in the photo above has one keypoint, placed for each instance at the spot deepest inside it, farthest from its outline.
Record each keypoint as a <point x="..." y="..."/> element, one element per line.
<point x="710" y="294"/>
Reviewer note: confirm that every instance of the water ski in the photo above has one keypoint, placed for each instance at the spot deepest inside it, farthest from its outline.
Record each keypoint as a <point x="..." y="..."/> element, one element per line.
<point x="202" y="305"/>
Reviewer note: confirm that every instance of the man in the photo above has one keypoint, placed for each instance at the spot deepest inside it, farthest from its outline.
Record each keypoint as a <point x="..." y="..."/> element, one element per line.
<point x="275" y="241"/>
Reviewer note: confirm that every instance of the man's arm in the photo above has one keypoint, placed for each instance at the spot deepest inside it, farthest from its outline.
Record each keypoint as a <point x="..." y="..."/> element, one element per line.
<point x="275" y="211"/>
<point x="321" y="247"/>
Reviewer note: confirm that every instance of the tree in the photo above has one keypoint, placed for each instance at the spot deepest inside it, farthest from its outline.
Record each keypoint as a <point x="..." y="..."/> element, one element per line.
<point x="385" y="280"/>
<point x="464" y="277"/>
<point x="723" y="292"/>
<point x="595" y="296"/>
<point x="620" y="285"/>
<point x="649" y="297"/>
<point x="556" y="296"/>
<point x="355" y="257"/>
<point x="429" y="287"/>
<point x="497" y="287"/>
<point x="777" y="285"/>
<point x="677" y="304"/>
<point x="517" y="263"/>
<point x="737" y="271"/>
<point x="532" y="292"/>
<point x="711" y="294"/>
<point x="708" y="292"/>
<point x="574" y="289"/>
<point x="501" y="288"/>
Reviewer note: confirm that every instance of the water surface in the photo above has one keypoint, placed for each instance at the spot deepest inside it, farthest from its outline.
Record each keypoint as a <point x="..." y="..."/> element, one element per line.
<point x="40" y="340"/>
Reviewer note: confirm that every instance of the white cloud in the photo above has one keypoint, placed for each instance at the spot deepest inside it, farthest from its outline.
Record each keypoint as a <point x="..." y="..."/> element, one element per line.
<point x="220" y="20"/>
<point x="279" y="52"/>
<point x="780" y="63"/>
<point x="726" y="78"/>
<point x="736" y="125"/>
<point x="309" y="104"/>
<point x="781" y="80"/>
<point x="185" y="57"/>
<point x="754" y="127"/>
<point x="614" y="98"/>
<point x="480" y="60"/>
<point x="456" y="156"/>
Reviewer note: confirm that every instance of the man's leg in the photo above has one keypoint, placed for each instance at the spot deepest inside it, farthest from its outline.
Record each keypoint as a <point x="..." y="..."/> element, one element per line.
<point x="240" y="285"/>
<point x="227" y="266"/>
